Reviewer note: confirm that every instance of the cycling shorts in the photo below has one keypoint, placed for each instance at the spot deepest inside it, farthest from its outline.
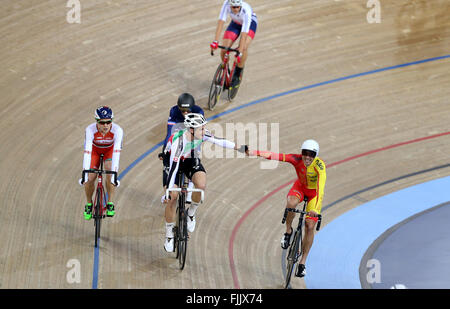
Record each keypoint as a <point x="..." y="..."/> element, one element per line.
<point x="300" y="191"/>
<point x="95" y="156"/>
<point x="188" y="166"/>
<point x="234" y="30"/>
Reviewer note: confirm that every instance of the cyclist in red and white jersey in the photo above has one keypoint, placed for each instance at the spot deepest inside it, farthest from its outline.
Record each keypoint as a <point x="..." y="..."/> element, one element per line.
<point x="243" y="23"/>
<point x="102" y="137"/>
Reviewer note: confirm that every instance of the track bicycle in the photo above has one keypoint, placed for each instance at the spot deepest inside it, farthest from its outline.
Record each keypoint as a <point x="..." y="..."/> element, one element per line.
<point x="99" y="205"/>
<point x="180" y="230"/>
<point x="222" y="78"/>
<point x="295" y="249"/>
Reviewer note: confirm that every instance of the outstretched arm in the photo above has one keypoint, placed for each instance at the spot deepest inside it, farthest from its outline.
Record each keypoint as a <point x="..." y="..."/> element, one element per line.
<point x="268" y="155"/>
<point x="208" y="137"/>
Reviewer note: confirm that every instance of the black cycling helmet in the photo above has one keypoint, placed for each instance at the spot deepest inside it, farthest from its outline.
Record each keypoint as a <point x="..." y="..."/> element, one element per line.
<point x="186" y="100"/>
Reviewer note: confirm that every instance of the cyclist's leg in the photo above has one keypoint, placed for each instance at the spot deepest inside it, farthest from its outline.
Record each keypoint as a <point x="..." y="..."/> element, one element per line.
<point x="109" y="186"/>
<point x="237" y="75"/>
<point x="171" y="207"/>
<point x="310" y="224"/>
<point x="231" y="34"/>
<point x="248" y="40"/>
<point x="89" y="186"/>
<point x="189" y="195"/>
<point x="294" y="197"/>
<point x="169" y="214"/>
<point x="199" y="180"/>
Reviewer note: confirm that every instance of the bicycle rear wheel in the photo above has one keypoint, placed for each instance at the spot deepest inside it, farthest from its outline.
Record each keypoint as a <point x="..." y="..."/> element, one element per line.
<point x="216" y="87"/>
<point x="291" y="259"/>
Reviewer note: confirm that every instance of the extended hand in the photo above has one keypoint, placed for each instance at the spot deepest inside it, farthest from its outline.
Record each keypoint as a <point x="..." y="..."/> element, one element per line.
<point x="243" y="148"/>
<point x="312" y="213"/>
<point x="264" y="154"/>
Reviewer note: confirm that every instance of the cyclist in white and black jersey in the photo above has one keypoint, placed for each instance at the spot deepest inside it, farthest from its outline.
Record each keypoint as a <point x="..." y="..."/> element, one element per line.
<point x="243" y="23"/>
<point x="182" y="153"/>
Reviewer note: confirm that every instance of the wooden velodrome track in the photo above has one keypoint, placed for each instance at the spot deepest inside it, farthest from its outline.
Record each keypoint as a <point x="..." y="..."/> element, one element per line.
<point x="137" y="56"/>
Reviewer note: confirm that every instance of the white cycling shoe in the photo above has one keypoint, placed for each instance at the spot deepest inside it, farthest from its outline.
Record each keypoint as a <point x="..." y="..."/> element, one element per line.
<point x="169" y="244"/>
<point x="191" y="223"/>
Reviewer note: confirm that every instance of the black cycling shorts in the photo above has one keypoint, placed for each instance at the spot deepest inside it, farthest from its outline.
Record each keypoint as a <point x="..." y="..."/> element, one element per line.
<point x="188" y="166"/>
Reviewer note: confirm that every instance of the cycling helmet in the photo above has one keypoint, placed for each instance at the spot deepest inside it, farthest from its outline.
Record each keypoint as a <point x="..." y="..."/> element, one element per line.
<point x="104" y="112"/>
<point x="235" y="2"/>
<point x="186" y="100"/>
<point x="311" y="145"/>
<point x="194" y="120"/>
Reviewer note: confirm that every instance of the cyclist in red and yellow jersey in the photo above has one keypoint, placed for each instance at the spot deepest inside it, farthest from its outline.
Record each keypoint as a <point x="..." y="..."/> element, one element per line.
<point x="311" y="180"/>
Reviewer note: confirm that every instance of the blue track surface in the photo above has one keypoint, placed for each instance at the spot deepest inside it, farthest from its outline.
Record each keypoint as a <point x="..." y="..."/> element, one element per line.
<point x="416" y="255"/>
<point x="334" y="259"/>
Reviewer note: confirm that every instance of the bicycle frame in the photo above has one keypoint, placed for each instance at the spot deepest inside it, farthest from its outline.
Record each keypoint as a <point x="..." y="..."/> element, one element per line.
<point x="181" y="235"/>
<point x="225" y="65"/>
<point x="295" y="250"/>
<point x="99" y="205"/>
<point x="222" y="78"/>
<point x="100" y="197"/>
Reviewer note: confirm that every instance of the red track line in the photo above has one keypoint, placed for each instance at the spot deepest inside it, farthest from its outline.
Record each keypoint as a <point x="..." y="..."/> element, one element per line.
<point x="264" y="198"/>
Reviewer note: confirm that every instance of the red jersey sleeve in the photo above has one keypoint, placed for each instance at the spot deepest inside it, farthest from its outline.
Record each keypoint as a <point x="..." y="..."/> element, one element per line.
<point x="290" y="158"/>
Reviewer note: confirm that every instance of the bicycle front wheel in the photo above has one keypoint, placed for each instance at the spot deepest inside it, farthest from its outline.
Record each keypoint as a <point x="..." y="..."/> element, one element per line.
<point x="291" y="259"/>
<point x="182" y="244"/>
<point x="216" y="87"/>
<point x="182" y="234"/>
<point x="97" y="218"/>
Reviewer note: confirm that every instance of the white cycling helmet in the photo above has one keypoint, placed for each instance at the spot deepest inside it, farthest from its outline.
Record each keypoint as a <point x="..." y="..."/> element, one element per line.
<point x="194" y="120"/>
<point x="311" y="145"/>
<point x="235" y="2"/>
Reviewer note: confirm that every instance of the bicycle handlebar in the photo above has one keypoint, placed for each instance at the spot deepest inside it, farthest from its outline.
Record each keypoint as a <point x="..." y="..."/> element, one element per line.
<point x="300" y="212"/>
<point x="186" y="190"/>
<point x="227" y="49"/>
<point x="94" y="171"/>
